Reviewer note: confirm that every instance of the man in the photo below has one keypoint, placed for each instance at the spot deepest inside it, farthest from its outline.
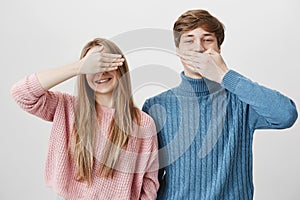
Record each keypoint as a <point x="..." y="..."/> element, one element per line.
<point x="206" y="124"/>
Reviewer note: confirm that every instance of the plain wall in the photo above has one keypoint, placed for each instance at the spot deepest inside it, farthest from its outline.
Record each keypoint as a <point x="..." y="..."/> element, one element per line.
<point x="262" y="42"/>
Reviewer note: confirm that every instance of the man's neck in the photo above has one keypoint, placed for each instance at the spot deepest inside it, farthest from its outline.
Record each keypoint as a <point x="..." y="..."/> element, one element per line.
<point x="192" y="74"/>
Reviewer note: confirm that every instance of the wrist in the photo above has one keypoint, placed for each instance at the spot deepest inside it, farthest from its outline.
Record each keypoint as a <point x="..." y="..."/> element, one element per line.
<point x="75" y="68"/>
<point x="223" y="73"/>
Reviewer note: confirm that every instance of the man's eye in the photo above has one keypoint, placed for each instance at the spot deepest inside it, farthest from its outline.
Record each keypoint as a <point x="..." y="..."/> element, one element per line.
<point x="207" y="40"/>
<point x="188" y="41"/>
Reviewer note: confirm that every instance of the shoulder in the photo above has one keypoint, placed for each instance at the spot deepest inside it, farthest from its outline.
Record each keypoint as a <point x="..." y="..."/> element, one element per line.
<point x="145" y="119"/>
<point x="161" y="97"/>
<point x="165" y="94"/>
<point x="146" y="128"/>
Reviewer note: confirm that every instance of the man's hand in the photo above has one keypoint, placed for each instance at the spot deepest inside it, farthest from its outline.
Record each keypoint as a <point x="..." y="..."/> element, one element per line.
<point x="208" y="64"/>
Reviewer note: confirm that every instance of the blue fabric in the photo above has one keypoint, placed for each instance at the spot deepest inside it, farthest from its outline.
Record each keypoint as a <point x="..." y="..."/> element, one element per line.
<point x="59" y="198"/>
<point x="205" y="133"/>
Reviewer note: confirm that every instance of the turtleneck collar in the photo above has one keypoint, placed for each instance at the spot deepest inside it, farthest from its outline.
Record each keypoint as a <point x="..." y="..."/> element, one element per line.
<point x="196" y="87"/>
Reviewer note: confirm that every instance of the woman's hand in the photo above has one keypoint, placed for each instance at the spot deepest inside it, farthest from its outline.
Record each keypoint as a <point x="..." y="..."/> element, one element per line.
<point x="97" y="61"/>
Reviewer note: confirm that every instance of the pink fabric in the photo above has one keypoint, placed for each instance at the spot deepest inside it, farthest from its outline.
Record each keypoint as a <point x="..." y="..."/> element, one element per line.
<point x="136" y="174"/>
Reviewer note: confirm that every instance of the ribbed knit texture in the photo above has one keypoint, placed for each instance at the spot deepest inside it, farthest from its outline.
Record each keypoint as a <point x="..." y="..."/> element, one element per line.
<point x="205" y="134"/>
<point x="140" y="157"/>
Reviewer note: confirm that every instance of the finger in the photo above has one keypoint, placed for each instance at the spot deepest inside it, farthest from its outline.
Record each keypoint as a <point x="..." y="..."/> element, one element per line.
<point x="111" y="69"/>
<point x="191" y="67"/>
<point x="191" y="59"/>
<point x="107" y="65"/>
<point x="191" y="64"/>
<point x="106" y="69"/>
<point x="211" y="51"/>
<point x="183" y="56"/>
<point x="197" y="65"/>
<point x="191" y="53"/>
<point x="188" y="62"/>
<point x="195" y="56"/>
<point x="111" y="60"/>
<point x="186" y="54"/>
<point x="111" y="55"/>
<point x="178" y="52"/>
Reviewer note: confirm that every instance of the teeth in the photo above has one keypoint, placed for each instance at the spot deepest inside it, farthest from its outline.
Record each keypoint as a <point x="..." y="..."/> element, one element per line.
<point x="103" y="80"/>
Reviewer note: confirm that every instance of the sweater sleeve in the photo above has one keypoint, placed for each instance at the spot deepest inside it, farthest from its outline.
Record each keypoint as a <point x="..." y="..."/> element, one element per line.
<point x="32" y="98"/>
<point x="268" y="109"/>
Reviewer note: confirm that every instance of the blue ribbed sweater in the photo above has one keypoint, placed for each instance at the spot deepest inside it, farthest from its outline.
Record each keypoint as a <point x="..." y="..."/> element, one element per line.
<point x="205" y="132"/>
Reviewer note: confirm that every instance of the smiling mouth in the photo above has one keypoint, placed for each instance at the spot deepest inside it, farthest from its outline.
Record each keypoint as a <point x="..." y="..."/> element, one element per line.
<point x="103" y="80"/>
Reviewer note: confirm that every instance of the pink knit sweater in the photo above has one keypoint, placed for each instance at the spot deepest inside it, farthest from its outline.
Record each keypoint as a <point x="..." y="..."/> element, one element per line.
<point x="136" y="172"/>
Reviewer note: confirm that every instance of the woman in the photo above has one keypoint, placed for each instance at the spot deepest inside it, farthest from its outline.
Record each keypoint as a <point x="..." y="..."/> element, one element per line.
<point x="101" y="146"/>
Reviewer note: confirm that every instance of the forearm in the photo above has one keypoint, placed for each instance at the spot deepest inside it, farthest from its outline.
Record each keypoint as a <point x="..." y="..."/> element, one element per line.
<point x="271" y="108"/>
<point x="52" y="77"/>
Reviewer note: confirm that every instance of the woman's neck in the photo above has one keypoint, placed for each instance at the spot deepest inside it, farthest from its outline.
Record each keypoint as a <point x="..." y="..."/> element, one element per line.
<point x="104" y="100"/>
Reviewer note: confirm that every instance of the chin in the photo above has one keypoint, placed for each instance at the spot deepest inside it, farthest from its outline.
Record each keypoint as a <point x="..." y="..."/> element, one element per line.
<point x="103" y="92"/>
<point x="191" y="74"/>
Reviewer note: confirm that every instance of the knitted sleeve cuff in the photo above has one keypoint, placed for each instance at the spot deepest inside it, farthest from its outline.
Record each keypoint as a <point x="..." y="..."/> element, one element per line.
<point x="231" y="80"/>
<point x="27" y="88"/>
<point x="35" y="86"/>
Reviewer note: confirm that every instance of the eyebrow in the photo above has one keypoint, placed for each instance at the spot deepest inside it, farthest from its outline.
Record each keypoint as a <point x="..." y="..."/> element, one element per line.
<point x="206" y="34"/>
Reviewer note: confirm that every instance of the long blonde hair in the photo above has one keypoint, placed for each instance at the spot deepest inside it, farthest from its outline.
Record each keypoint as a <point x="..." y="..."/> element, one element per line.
<point x="86" y="120"/>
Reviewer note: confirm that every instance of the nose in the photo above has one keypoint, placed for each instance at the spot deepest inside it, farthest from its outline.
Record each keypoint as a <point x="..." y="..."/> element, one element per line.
<point x="199" y="47"/>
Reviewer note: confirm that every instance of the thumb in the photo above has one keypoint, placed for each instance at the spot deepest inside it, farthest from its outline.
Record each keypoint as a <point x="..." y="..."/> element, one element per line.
<point x="210" y="51"/>
<point x="95" y="49"/>
<point x="98" y="48"/>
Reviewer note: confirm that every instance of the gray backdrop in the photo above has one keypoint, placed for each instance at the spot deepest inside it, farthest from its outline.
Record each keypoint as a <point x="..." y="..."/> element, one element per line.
<point x="262" y="42"/>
